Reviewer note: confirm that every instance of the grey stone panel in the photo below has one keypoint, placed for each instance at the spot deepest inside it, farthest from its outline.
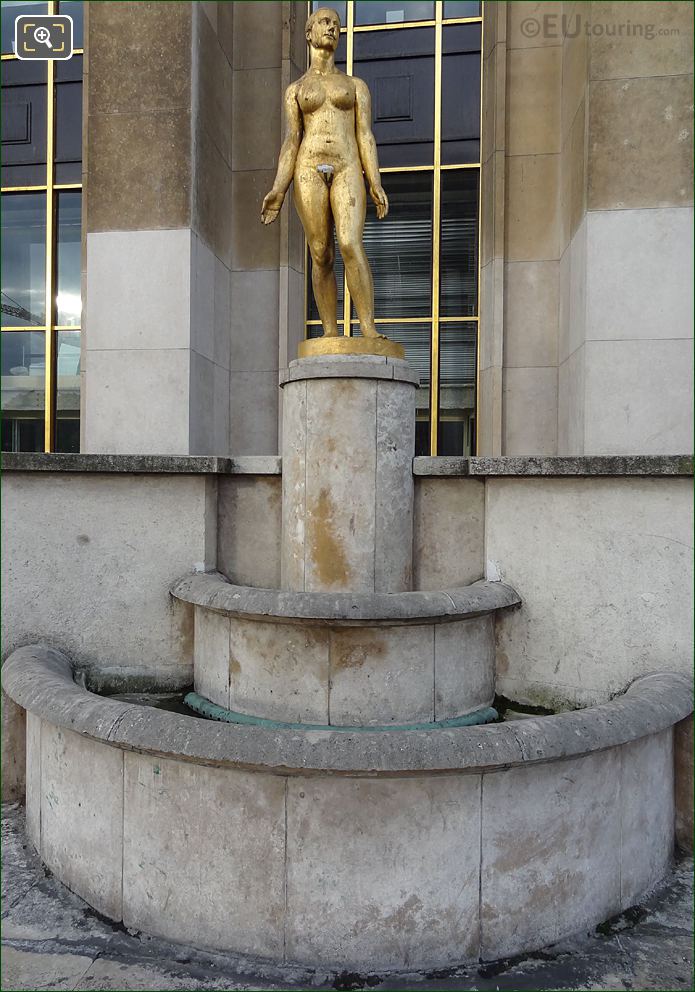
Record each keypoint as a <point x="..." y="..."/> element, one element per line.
<point x="294" y="418"/>
<point x="278" y="671"/>
<point x="381" y="675"/>
<point x="33" y="789"/>
<point x="448" y="531"/>
<point x="211" y="655"/>
<point x="395" y="445"/>
<point x="383" y="874"/>
<point x="249" y="527"/>
<point x="549" y="833"/>
<point x="204" y="853"/>
<point x="464" y="667"/>
<point x="82" y="816"/>
<point x="647" y="811"/>
<point x="339" y="521"/>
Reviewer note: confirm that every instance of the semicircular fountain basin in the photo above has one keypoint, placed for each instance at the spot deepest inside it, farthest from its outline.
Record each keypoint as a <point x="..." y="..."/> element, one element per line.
<point x="389" y="850"/>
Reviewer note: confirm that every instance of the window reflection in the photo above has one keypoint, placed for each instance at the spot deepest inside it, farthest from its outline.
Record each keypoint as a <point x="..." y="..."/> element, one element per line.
<point x="398" y="68"/>
<point x="457" y="375"/>
<point x="460" y="8"/>
<point x="68" y="110"/>
<point x="392" y="13"/>
<point x="22" y="381"/>
<point x="458" y="266"/>
<point x="339" y="8"/>
<point x="68" y="261"/>
<point x="399" y="248"/>
<point x="461" y="94"/>
<point x="23" y="123"/>
<point x="24" y="259"/>
<point x="9" y="12"/>
<point x="68" y="396"/>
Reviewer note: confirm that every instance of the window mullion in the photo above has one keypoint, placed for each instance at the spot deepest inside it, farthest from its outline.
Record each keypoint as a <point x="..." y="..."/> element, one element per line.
<point x="436" y="224"/>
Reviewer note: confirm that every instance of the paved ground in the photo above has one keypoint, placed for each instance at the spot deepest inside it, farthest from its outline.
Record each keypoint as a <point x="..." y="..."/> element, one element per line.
<point x="53" y="940"/>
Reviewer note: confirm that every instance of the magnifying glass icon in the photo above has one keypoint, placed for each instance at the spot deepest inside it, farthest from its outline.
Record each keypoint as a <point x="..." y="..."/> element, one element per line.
<point x="43" y="36"/>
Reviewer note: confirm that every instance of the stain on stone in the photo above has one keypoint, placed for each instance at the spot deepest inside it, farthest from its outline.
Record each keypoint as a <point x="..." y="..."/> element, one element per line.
<point x="623" y="921"/>
<point x="491" y="969"/>
<point x="325" y="546"/>
<point x="234" y="666"/>
<point x="352" y="980"/>
<point x="349" y="655"/>
<point x="83" y="539"/>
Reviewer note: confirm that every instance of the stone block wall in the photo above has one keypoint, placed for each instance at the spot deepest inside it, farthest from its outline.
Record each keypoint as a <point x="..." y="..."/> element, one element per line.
<point x="586" y="295"/>
<point x="192" y="305"/>
<point x="625" y="374"/>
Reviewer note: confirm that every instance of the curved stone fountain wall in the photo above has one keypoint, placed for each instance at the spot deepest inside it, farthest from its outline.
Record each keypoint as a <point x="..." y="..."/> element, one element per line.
<point x="404" y="849"/>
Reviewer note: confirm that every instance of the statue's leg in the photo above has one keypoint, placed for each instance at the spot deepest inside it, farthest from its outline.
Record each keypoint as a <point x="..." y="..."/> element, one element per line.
<point x="349" y="203"/>
<point x="313" y="206"/>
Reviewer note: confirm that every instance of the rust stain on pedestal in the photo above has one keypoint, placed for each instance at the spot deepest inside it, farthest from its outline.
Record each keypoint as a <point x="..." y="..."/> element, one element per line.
<point x="326" y="548"/>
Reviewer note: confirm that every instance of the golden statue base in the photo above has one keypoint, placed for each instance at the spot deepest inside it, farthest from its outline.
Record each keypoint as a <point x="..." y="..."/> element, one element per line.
<point x="342" y="345"/>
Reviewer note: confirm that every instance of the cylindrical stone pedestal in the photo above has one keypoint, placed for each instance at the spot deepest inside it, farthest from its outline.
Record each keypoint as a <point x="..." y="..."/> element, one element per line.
<point x="347" y="482"/>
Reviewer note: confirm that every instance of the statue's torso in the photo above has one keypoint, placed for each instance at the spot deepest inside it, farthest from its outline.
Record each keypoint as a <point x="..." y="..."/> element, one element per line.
<point x="327" y="104"/>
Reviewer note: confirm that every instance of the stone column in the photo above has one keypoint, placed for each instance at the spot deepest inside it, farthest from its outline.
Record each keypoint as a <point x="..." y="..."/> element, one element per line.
<point x="347" y="485"/>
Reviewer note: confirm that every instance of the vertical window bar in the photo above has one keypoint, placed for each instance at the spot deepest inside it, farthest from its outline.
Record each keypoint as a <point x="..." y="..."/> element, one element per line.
<point x="50" y="398"/>
<point x="436" y="224"/>
<point x="347" y="302"/>
<point x="476" y="403"/>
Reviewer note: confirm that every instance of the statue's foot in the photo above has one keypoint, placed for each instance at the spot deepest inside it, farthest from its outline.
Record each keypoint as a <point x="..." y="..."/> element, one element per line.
<point x="331" y="334"/>
<point x="374" y="335"/>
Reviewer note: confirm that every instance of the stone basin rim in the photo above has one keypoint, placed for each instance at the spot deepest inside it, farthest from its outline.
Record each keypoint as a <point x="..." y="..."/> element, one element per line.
<point x="40" y="679"/>
<point x="212" y="591"/>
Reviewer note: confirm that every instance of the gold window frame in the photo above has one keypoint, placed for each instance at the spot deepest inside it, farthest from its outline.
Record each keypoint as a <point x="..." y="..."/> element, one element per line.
<point x="50" y="188"/>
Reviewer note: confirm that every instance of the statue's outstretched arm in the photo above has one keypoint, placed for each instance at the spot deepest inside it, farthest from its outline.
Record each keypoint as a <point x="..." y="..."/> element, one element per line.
<point x="288" y="156"/>
<point x="367" y="147"/>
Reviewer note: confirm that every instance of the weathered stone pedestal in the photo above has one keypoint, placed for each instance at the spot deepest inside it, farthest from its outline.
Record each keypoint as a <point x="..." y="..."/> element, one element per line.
<point x="347" y="483"/>
<point x="345" y="643"/>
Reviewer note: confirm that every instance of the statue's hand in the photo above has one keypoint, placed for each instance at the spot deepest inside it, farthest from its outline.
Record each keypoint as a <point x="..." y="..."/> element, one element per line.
<point x="271" y="206"/>
<point x="381" y="201"/>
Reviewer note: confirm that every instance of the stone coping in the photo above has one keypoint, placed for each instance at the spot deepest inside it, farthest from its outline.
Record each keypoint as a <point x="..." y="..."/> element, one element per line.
<point x="39" y="678"/>
<point x="348" y="367"/>
<point x="521" y="465"/>
<point x="555" y="465"/>
<point x="142" y="464"/>
<point x="214" y="592"/>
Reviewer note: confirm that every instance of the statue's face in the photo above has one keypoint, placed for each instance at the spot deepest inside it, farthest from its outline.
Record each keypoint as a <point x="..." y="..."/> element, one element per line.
<point x="324" y="29"/>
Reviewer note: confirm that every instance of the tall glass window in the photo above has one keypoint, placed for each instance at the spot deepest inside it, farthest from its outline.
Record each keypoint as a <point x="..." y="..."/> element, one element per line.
<point x="422" y="63"/>
<point x="41" y="241"/>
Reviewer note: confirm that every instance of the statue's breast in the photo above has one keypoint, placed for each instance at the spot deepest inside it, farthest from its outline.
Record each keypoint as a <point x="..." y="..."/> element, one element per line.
<point x="311" y="96"/>
<point x="342" y="95"/>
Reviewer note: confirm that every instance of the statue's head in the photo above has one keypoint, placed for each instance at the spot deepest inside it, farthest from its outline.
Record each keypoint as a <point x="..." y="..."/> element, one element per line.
<point x="323" y="29"/>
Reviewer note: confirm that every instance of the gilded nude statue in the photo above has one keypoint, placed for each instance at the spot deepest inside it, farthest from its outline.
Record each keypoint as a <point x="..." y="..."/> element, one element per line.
<point x="328" y="145"/>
